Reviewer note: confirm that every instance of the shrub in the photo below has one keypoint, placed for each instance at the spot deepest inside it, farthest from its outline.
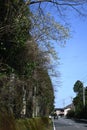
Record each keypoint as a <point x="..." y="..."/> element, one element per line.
<point x="70" y="114"/>
<point x="7" y="121"/>
<point x="38" y="123"/>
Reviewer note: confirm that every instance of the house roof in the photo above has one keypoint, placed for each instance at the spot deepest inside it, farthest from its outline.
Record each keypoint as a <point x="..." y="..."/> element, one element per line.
<point x="60" y="109"/>
<point x="69" y="106"/>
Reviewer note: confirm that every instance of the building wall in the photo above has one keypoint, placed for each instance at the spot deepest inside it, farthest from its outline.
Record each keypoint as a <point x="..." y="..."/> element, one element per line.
<point x="66" y="111"/>
<point x="59" y="112"/>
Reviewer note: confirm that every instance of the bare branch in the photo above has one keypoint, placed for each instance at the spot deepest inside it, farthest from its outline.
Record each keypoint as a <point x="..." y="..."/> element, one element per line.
<point x="75" y="4"/>
<point x="57" y="2"/>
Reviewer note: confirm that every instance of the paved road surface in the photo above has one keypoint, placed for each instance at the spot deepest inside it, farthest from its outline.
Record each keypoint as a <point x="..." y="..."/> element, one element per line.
<point x="67" y="124"/>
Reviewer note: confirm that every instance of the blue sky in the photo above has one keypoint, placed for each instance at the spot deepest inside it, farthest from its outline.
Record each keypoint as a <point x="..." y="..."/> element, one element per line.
<point x="72" y="57"/>
<point x="73" y="62"/>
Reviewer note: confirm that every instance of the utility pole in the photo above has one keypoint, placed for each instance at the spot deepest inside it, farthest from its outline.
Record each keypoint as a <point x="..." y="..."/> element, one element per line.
<point x="83" y="96"/>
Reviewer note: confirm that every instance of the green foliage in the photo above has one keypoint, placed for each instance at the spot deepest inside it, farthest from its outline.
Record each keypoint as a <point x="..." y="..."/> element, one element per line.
<point x="11" y="95"/>
<point x="78" y="86"/>
<point x="31" y="73"/>
<point x="15" y="23"/>
<point x="45" y="91"/>
<point x="20" y="55"/>
<point x="70" y="114"/>
<point x="14" y="32"/>
<point x="80" y="108"/>
<point x="34" y="124"/>
<point x="7" y="122"/>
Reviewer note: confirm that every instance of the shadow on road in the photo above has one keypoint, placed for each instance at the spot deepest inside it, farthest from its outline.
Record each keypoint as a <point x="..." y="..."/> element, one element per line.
<point x="80" y="121"/>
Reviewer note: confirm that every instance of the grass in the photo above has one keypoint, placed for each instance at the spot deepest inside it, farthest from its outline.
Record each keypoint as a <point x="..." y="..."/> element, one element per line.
<point x="40" y="123"/>
<point x="7" y="122"/>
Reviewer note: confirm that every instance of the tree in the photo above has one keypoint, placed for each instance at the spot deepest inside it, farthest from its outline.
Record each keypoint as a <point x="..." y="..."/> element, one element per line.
<point x="22" y="55"/>
<point x="78" y="86"/>
<point x="39" y="84"/>
<point x="80" y="107"/>
<point x="45" y="28"/>
<point x="60" y="5"/>
<point x="14" y="20"/>
<point x="46" y="92"/>
<point x="14" y="31"/>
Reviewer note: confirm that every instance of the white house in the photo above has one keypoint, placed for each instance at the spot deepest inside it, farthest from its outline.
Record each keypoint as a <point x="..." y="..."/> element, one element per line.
<point x="63" y="111"/>
<point x="68" y="108"/>
<point x="59" y="111"/>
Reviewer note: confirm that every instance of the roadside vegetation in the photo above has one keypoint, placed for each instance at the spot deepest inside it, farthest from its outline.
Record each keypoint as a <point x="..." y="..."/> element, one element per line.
<point x="80" y="102"/>
<point x="25" y="86"/>
<point x="34" y="124"/>
<point x="7" y="122"/>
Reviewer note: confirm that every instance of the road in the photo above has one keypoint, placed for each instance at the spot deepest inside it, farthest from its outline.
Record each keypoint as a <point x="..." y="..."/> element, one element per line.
<point x="67" y="124"/>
